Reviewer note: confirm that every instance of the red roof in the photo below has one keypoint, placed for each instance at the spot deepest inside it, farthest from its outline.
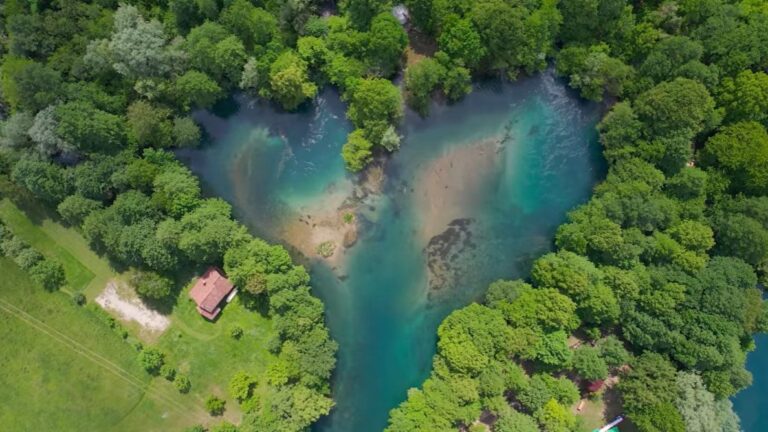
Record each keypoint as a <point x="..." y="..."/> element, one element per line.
<point x="595" y="386"/>
<point x="211" y="288"/>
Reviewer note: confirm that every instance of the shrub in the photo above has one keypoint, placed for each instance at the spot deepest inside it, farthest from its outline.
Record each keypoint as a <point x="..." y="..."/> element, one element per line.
<point x="214" y="405"/>
<point x="79" y="299"/>
<point x="236" y="332"/>
<point x="168" y="372"/>
<point x="151" y="285"/>
<point x="182" y="384"/>
<point x="27" y="258"/>
<point x="326" y="249"/>
<point x="48" y="274"/>
<point x="152" y="360"/>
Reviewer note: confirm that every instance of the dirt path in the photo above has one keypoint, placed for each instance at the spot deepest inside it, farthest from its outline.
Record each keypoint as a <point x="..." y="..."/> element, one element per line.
<point x="131" y="309"/>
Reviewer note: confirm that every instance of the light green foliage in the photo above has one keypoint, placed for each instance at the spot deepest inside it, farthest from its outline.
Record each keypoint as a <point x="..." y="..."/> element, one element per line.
<point x="182" y="383"/>
<point x="613" y="352"/>
<point x="176" y="191"/>
<point x="44" y="133"/>
<point x="741" y="151"/>
<point x="551" y="350"/>
<point x="214" y="405"/>
<point x="136" y="49"/>
<point x="241" y="386"/>
<point x="700" y="411"/>
<point x="185" y="132"/>
<point x="357" y="151"/>
<point x="289" y="81"/>
<point x="208" y="231"/>
<point x="14" y="130"/>
<point x="745" y="97"/>
<point x="543" y="387"/>
<point x="196" y="90"/>
<point x="151" y="359"/>
<point x="471" y="337"/>
<point x="554" y="417"/>
<point x="374" y="105"/>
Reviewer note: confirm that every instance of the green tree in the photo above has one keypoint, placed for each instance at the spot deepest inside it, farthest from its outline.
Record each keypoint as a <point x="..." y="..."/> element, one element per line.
<point x="679" y="107"/>
<point x="554" y="417"/>
<point x="374" y="105"/>
<point x="745" y="97"/>
<point x="48" y="274"/>
<point x="589" y="364"/>
<point x="741" y="151"/>
<point x="152" y="360"/>
<point x="89" y="129"/>
<point x="460" y="41"/>
<point x="386" y="44"/>
<point x="176" y="191"/>
<point x="214" y="405"/>
<point x="421" y="80"/>
<point x="254" y="26"/>
<point x="289" y="81"/>
<point x="74" y="209"/>
<point x="241" y="386"/>
<point x="514" y="421"/>
<point x="151" y="285"/>
<point x="185" y="132"/>
<point x="196" y="90"/>
<point x="149" y="125"/>
<point x="357" y="151"/>
<point x="593" y="72"/>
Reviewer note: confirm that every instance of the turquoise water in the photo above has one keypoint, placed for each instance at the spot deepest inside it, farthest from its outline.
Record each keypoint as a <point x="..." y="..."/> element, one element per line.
<point x="503" y="168"/>
<point x="750" y="403"/>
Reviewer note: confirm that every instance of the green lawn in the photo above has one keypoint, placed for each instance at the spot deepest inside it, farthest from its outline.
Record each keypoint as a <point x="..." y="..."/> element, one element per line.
<point x="74" y="363"/>
<point x="85" y="271"/>
<point x="64" y="369"/>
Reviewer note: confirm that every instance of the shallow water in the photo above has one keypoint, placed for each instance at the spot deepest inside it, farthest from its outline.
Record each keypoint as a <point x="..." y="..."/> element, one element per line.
<point x="502" y="207"/>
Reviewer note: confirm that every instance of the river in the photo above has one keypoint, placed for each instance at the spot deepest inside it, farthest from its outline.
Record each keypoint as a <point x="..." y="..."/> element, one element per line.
<point x="475" y="193"/>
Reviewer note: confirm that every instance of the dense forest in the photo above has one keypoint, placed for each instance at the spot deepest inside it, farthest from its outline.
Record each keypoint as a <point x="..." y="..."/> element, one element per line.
<point x="658" y="276"/>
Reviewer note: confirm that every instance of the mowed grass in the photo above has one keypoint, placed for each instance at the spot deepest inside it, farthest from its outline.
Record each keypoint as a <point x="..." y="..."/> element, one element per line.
<point x="85" y="271"/>
<point x="74" y="382"/>
<point x="207" y="353"/>
<point x="49" y="382"/>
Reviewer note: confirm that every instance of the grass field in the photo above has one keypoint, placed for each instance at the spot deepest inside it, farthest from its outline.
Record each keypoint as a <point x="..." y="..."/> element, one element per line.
<point x="65" y="370"/>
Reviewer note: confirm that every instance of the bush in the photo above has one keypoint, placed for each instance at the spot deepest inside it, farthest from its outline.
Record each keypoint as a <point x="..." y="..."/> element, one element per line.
<point x="182" y="384"/>
<point x="152" y="360"/>
<point x="236" y="332"/>
<point x="151" y="285"/>
<point x="168" y="372"/>
<point x="214" y="405"/>
<point x="49" y="275"/>
<point x="27" y="258"/>
<point x="79" y="299"/>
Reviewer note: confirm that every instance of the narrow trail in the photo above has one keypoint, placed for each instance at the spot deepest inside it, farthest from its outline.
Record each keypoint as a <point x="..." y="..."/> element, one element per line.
<point x="100" y="360"/>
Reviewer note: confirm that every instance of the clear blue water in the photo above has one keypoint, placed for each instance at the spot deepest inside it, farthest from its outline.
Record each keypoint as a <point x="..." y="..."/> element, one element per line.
<point x="750" y="403"/>
<point x="506" y="206"/>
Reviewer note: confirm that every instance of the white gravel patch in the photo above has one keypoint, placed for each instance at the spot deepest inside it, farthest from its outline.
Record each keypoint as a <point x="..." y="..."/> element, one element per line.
<point x="131" y="309"/>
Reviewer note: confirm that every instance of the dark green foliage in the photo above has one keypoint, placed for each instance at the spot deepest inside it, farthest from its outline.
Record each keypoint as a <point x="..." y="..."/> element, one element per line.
<point x="90" y="129"/>
<point x="589" y="364"/>
<point x="151" y="285"/>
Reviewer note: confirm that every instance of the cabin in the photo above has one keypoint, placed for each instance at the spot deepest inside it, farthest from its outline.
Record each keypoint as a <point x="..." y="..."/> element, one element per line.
<point x="210" y="291"/>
